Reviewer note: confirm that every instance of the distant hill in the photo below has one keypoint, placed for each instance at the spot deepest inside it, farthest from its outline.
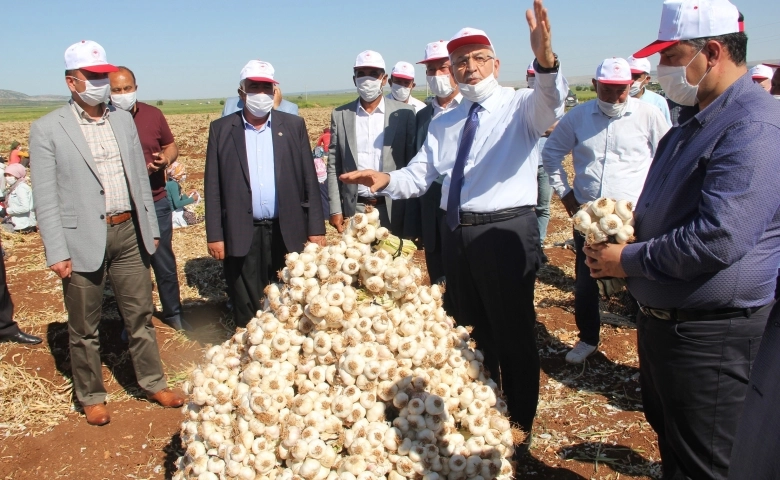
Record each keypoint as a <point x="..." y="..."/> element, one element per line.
<point x="11" y="97"/>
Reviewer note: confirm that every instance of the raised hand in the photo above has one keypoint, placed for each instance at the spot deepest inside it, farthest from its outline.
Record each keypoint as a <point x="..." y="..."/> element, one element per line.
<point x="539" y="25"/>
<point x="371" y="178"/>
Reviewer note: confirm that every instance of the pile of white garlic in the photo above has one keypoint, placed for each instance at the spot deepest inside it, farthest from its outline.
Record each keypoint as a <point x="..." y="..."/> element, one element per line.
<point x="605" y="220"/>
<point x="352" y="371"/>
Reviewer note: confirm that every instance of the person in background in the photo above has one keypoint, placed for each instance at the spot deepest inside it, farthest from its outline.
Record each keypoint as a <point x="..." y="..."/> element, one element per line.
<point x="612" y="140"/>
<point x="3" y="166"/>
<point x="19" y="209"/>
<point x="704" y="264"/>
<point x="235" y="104"/>
<point x="94" y="209"/>
<point x="544" y="191"/>
<point x="324" y="141"/>
<point x="321" y="167"/>
<point x="371" y="132"/>
<point x="640" y="73"/>
<point x="14" y="155"/>
<point x="490" y="241"/>
<point x="775" y="87"/>
<point x="402" y="84"/>
<point x="260" y="191"/>
<point x="674" y="111"/>
<point x="160" y="150"/>
<point x="762" y="75"/>
<point x="181" y="216"/>
<point x="9" y="329"/>
<point x="423" y="215"/>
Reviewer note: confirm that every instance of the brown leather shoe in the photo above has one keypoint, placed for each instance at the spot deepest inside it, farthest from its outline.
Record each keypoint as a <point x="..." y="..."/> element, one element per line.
<point x="169" y="398"/>
<point x="97" y="414"/>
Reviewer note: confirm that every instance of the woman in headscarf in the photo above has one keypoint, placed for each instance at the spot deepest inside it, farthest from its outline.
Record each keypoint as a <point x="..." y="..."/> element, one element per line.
<point x="19" y="210"/>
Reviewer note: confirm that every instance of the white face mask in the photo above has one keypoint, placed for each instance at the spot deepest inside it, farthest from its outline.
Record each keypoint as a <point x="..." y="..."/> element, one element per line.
<point x="777" y="97"/>
<point x="10" y="180"/>
<point x="259" y="104"/>
<point x="636" y="87"/>
<point x="369" y="88"/>
<point x="675" y="83"/>
<point x="611" y="109"/>
<point x="440" y="85"/>
<point x="97" y="91"/>
<point x="531" y="82"/>
<point x="125" y="101"/>
<point x="481" y="91"/>
<point x="400" y="93"/>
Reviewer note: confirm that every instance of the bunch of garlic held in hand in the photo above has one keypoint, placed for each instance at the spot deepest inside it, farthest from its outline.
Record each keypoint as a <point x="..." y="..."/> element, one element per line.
<point x="605" y="220"/>
<point x="352" y="371"/>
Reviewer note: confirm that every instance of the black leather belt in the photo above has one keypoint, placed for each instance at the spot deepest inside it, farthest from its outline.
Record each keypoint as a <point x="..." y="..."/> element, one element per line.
<point x="266" y="221"/>
<point x="675" y="315"/>
<point x="472" y="219"/>
<point x="371" y="200"/>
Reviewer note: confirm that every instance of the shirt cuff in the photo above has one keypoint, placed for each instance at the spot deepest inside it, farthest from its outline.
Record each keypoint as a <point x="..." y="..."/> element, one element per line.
<point x="390" y="188"/>
<point x="631" y="259"/>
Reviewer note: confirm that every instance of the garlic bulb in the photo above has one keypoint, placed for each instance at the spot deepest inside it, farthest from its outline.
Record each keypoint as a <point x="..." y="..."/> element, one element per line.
<point x="347" y="339"/>
<point x="605" y="220"/>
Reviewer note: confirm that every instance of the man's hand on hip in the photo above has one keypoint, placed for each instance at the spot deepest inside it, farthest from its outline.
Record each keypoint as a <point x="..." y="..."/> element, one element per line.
<point x="63" y="268"/>
<point x="337" y="221"/>
<point x="370" y="178"/>
<point x="217" y="250"/>
<point x="570" y="203"/>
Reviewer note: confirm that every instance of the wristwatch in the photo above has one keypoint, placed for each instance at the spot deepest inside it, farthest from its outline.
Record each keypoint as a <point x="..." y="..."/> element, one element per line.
<point x="554" y="69"/>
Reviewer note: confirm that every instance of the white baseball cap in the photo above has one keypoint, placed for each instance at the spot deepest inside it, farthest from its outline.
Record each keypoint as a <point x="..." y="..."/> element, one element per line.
<point x="529" y="70"/>
<point x="88" y="55"/>
<point x="435" y="51"/>
<point x="369" y="58"/>
<point x="468" y="36"/>
<point x="614" y="71"/>
<point x="258" y="71"/>
<point x="689" y="19"/>
<point x="772" y="65"/>
<point x="639" y="65"/>
<point x="761" y="71"/>
<point x="403" y="70"/>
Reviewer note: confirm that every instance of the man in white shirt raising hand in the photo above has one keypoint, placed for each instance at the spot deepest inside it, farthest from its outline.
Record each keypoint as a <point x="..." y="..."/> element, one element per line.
<point x="490" y="240"/>
<point x="613" y="140"/>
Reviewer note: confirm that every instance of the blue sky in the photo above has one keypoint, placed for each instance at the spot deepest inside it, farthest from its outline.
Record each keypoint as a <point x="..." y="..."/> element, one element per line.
<point x="196" y="49"/>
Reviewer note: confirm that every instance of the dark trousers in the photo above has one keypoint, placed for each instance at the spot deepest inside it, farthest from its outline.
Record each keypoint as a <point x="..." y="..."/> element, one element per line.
<point x="757" y="443"/>
<point x="325" y="199"/>
<point x="694" y="377"/>
<point x="128" y="268"/>
<point x="7" y="324"/>
<point x="164" y="265"/>
<point x="586" y="296"/>
<point x="247" y="276"/>
<point x="490" y="272"/>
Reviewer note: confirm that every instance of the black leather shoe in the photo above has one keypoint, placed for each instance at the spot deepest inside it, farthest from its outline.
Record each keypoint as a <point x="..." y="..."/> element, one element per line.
<point x="21" y="337"/>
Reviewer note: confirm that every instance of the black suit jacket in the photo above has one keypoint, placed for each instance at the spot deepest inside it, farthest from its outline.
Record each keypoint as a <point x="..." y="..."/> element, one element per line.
<point x="420" y="218"/>
<point x="229" y="194"/>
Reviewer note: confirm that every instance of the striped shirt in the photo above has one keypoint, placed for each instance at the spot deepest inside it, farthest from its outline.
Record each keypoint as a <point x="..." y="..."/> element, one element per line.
<point x="105" y="151"/>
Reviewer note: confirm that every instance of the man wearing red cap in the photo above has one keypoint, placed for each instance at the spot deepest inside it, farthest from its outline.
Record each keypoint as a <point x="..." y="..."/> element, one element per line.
<point x="612" y="140"/>
<point x="762" y="75"/>
<point x="775" y="86"/>
<point x="402" y="84"/>
<point x="487" y="147"/>
<point x="704" y="264"/>
<point x="94" y="209"/>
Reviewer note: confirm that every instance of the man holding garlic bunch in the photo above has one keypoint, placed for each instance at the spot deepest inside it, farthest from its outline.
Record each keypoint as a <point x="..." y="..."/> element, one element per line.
<point x="612" y="140"/>
<point x="486" y="147"/>
<point x="704" y="265"/>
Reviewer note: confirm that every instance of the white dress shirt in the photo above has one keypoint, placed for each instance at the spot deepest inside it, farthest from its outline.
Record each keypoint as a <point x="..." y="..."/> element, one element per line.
<point x="611" y="155"/>
<point x="438" y="109"/>
<point x="412" y="102"/>
<point x="370" y="136"/>
<point x="654" y="99"/>
<point x="500" y="169"/>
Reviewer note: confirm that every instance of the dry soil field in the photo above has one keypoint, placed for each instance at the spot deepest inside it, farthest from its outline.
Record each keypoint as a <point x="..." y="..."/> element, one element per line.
<point x="589" y="424"/>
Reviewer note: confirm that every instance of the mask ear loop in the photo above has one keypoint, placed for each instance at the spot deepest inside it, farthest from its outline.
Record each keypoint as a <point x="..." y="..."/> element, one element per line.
<point x="689" y="64"/>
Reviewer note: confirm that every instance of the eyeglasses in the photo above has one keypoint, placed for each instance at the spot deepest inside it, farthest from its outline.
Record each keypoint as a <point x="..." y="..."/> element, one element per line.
<point x="463" y="62"/>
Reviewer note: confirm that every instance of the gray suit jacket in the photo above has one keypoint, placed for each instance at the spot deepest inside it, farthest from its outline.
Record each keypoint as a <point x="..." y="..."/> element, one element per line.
<point x="69" y="198"/>
<point x="397" y="150"/>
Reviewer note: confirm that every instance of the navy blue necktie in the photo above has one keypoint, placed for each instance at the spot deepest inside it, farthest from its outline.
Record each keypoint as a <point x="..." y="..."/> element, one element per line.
<point x="456" y="178"/>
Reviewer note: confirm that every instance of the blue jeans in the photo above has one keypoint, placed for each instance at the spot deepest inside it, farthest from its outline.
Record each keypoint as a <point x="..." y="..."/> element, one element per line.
<point x="543" y="202"/>
<point x="164" y="266"/>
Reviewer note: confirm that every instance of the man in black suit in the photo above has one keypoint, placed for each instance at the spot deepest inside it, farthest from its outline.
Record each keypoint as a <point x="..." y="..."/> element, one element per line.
<point x="262" y="195"/>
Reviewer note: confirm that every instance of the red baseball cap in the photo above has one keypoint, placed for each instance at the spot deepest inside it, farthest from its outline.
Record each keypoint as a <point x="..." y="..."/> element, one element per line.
<point x="88" y="55"/>
<point x="258" y="71"/>
<point x="468" y="36"/>
<point x="614" y="71"/>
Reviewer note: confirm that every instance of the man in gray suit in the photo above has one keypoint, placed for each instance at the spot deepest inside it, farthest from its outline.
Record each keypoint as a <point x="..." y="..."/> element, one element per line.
<point x="373" y="133"/>
<point x="96" y="216"/>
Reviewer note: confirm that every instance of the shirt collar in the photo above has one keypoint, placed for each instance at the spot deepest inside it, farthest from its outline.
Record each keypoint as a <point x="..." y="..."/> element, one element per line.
<point x="249" y="126"/>
<point x="83" y="116"/>
<point x="492" y="102"/>
<point x="379" y="108"/>
<point x="454" y="102"/>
